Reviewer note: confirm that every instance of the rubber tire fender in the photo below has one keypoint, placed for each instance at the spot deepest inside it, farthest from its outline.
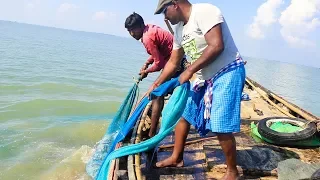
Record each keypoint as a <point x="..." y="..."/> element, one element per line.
<point x="316" y="175"/>
<point x="265" y="130"/>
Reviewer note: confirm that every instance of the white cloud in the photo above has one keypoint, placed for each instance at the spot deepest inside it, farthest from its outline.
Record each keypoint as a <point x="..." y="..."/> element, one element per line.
<point x="66" y="8"/>
<point x="266" y="15"/>
<point x="300" y="18"/>
<point x="69" y="16"/>
<point x="30" y="6"/>
<point x="102" y="15"/>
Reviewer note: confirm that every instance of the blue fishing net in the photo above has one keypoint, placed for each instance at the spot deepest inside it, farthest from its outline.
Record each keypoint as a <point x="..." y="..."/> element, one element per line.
<point x="103" y="146"/>
<point x="172" y="112"/>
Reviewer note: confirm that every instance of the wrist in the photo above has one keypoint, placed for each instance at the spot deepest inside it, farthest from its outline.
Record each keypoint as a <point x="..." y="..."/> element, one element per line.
<point x="190" y="69"/>
<point x="155" y="84"/>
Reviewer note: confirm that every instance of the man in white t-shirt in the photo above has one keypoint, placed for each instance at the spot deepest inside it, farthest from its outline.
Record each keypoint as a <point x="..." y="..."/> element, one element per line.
<point x="214" y="102"/>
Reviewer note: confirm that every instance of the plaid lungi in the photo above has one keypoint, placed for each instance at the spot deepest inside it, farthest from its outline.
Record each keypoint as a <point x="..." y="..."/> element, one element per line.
<point x="226" y="94"/>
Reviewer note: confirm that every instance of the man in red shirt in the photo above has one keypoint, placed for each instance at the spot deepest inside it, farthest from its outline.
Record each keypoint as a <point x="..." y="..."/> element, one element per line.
<point x="158" y="43"/>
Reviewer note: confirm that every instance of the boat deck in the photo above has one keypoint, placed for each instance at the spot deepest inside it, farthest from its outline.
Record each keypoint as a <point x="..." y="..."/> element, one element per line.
<point x="204" y="159"/>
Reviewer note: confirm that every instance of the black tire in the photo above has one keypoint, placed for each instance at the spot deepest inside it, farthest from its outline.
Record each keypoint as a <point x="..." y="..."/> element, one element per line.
<point x="316" y="175"/>
<point x="265" y="131"/>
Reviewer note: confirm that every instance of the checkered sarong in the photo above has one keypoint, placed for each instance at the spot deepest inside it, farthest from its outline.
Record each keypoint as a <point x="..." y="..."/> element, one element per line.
<point x="198" y="84"/>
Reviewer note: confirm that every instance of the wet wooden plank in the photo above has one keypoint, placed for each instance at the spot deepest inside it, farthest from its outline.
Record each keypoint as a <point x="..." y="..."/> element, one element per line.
<point x="247" y="107"/>
<point x="193" y="157"/>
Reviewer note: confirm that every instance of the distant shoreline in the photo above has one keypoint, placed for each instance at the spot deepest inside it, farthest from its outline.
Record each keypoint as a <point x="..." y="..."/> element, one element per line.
<point x="59" y="28"/>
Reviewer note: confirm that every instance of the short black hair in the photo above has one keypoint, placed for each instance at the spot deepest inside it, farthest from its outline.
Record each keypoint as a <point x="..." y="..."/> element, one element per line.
<point x="133" y="21"/>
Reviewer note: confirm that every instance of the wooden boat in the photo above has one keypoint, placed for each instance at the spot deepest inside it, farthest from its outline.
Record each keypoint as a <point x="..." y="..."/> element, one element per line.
<point x="203" y="156"/>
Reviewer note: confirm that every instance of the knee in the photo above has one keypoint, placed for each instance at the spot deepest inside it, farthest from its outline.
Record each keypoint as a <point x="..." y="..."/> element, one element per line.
<point x="183" y="121"/>
<point x="225" y="136"/>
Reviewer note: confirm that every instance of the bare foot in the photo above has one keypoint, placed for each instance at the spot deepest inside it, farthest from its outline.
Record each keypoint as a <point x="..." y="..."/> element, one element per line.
<point x="231" y="175"/>
<point x="170" y="162"/>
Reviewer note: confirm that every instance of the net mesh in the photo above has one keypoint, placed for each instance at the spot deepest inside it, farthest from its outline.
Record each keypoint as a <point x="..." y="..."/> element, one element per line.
<point x="102" y="147"/>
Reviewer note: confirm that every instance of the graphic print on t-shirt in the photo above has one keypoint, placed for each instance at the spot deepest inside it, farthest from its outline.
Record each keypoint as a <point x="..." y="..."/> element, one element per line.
<point x="190" y="48"/>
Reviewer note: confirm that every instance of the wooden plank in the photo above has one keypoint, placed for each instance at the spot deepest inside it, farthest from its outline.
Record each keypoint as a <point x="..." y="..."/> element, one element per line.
<point x="114" y="167"/>
<point x="293" y="108"/>
<point x="267" y="99"/>
<point x="112" y="170"/>
<point x="130" y="163"/>
<point x="131" y="172"/>
<point x="115" y="174"/>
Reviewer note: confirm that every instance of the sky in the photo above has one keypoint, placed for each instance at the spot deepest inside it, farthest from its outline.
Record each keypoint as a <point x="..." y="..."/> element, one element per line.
<point x="280" y="30"/>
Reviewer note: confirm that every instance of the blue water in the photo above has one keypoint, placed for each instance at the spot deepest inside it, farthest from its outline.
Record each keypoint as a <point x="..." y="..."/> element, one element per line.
<point x="60" y="88"/>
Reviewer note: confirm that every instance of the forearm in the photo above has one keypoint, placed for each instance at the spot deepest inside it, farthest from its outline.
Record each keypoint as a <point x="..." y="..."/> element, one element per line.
<point x="207" y="57"/>
<point x="149" y="61"/>
<point x="171" y="67"/>
<point x="169" y="70"/>
<point x="153" y="68"/>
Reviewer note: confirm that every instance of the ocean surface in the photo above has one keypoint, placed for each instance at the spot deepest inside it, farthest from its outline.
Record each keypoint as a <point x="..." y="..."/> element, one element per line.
<point x="59" y="89"/>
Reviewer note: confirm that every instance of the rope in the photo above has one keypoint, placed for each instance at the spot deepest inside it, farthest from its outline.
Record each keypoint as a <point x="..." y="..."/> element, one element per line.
<point x="137" y="81"/>
<point x="137" y="98"/>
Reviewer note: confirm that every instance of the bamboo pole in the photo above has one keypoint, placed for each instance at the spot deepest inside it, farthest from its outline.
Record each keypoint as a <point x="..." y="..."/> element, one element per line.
<point x="169" y="26"/>
<point x="189" y="142"/>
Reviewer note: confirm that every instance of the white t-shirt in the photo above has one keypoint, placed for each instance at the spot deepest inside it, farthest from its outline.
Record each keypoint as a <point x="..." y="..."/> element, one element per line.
<point x="191" y="37"/>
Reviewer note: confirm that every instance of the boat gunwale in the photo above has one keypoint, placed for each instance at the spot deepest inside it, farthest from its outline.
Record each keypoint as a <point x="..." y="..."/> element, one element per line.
<point x="275" y="96"/>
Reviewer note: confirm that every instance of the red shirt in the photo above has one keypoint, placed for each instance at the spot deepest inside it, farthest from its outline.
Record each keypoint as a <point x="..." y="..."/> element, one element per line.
<point x="158" y="43"/>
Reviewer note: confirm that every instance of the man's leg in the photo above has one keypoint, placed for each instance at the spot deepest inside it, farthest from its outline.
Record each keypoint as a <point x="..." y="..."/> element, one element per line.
<point x="225" y="115"/>
<point x="157" y="106"/>
<point x="228" y="145"/>
<point x="181" y="133"/>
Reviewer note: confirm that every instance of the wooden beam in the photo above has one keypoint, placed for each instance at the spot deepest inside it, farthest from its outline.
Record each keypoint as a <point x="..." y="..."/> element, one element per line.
<point x="169" y="26"/>
<point x="267" y="99"/>
<point x="291" y="107"/>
